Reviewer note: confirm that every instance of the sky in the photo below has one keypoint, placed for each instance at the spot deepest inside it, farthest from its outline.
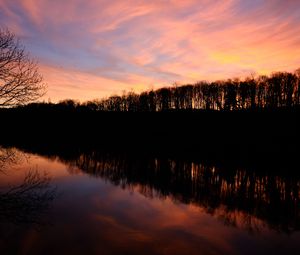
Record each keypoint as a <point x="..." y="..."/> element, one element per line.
<point x="97" y="48"/>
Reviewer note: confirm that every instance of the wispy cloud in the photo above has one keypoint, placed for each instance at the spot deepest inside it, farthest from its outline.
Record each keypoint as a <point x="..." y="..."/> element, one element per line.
<point x="120" y="45"/>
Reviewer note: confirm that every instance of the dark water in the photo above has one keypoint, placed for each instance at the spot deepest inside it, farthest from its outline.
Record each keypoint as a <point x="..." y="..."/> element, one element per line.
<point x="103" y="203"/>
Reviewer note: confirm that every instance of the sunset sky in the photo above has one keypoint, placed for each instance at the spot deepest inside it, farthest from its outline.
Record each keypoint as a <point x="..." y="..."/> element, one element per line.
<point x="95" y="48"/>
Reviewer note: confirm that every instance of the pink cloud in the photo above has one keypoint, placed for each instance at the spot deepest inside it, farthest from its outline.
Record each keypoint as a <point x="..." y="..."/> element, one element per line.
<point x="68" y="83"/>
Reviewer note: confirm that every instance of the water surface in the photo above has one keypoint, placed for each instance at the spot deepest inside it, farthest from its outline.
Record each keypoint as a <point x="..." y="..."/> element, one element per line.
<point x="104" y="203"/>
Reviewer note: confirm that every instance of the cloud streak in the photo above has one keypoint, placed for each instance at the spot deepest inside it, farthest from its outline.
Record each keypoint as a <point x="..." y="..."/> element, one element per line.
<point x="123" y="45"/>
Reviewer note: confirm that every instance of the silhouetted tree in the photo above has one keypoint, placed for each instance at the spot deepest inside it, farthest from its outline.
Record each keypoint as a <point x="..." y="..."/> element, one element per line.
<point x="164" y="99"/>
<point x="20" y="80"/>
<point x="92" y="105"/>
<point x="262" y="91"/>
<point x="144" y="105"/>
<point x="68" y="104"/>
<point x="230" y="95"/>
<point x="296" y="97"/>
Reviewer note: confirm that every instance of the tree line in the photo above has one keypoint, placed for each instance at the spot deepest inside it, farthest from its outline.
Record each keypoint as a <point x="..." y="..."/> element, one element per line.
<point x="280" y="89"/>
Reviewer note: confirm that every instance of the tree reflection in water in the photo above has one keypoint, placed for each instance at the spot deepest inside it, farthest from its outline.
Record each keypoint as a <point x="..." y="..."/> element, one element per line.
<point x="27" y="202"/>
<point x="243" y="198"/>
<point x="8" y="157"/>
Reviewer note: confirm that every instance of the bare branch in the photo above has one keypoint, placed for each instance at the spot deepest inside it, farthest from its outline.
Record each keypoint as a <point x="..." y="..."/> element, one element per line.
<point x="20" y="80"/>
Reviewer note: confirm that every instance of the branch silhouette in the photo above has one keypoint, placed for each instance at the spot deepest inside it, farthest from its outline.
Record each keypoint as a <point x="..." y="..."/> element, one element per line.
<point x="20" y="80"/>
<point x="27" y="202"/>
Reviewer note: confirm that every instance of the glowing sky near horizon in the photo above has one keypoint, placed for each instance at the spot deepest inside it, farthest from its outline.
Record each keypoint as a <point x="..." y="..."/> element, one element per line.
<point x="91" y="49"/>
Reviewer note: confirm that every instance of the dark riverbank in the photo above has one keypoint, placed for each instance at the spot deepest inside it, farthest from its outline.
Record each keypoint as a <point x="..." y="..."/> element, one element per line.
<point x="239" y="137"/>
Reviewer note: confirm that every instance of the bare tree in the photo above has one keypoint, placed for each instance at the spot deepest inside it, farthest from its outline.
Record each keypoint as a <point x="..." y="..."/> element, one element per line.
<point x="20" y="80"/>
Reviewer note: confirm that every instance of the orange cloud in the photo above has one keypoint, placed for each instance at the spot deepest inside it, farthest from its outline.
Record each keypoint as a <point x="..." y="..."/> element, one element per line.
<point x="64" y="83"/>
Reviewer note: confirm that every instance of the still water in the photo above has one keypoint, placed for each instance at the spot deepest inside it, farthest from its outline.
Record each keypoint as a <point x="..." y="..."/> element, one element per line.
<point x="101" y="203"/>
